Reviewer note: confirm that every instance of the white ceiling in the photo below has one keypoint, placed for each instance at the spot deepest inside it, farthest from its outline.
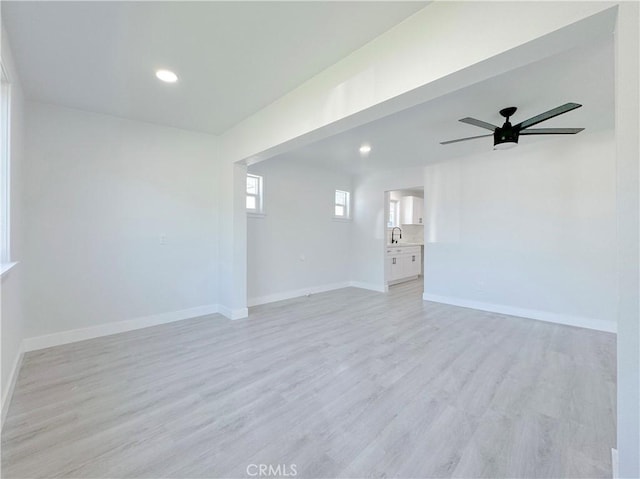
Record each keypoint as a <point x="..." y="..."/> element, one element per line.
<point x="232" y="58"/>
<point x="411" y="137"/>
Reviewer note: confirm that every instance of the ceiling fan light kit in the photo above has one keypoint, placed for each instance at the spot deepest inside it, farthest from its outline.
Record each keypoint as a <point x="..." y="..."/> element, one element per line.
<point x="504" y="145"/>
<point x="507" y="135"/>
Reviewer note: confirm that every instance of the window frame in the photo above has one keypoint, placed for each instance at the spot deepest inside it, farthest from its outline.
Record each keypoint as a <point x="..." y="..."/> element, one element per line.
<point x="346" y="205"/>
<point x="259" y="196"/>
<point x="394" y="206"/>
<point x="5" y="169"/>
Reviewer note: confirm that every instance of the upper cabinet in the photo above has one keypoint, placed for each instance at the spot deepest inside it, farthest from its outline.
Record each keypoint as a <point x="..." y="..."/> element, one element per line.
<point x="411" y="210"/>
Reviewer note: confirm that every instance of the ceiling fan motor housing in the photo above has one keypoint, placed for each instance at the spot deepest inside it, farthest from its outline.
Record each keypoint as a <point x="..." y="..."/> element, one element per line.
<point x="506" y="136"/>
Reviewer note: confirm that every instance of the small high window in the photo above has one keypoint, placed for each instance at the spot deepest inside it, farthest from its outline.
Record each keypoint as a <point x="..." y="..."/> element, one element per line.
<point x="342" y="207"/>
<point x="254" y="194"/>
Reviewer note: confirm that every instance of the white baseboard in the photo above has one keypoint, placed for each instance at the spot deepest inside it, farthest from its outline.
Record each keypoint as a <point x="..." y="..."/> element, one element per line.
<point x="581" y="322"/>
<point x="71" y="336"/>
<point x="296" y="293"/>
<point x="230" y="313"/>
<point x="614" y="464"/>
<point x="11" y="384"/>
<point x="380" y="288"/>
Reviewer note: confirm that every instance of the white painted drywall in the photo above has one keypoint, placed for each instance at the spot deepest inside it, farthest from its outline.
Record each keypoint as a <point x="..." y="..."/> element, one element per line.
<point x="532" y="228"/>
<point x="11" y="313"/>
<point x="627" y="76"/>
<point x="414" y="56"/>
<point x="297" y="246"/>
<point x="232" y="240"/>
<point x="345" y="95"/>
<point x="368" y="239"/>
<point x="102" y="195"/>
<point x="389" y="74"/>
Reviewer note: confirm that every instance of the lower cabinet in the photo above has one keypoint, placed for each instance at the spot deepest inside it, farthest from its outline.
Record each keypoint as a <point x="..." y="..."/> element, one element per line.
<point x="394" y="267"/>
<point x="403" y="263"/>
<point x="412" y="264"/>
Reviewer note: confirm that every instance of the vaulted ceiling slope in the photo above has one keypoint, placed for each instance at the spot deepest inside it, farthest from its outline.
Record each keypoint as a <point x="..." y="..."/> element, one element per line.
<point x="232" y="58"/>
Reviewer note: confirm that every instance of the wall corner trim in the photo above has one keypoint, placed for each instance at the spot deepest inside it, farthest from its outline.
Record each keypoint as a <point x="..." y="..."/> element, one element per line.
<point x="13" y="377"/>
<point x="107" y="329"/>
<point x="549" y="317"/>
<point x="233" y="313"/>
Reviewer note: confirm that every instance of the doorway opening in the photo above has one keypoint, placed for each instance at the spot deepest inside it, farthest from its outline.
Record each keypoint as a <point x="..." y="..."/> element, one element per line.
<point x="404" y="239"/>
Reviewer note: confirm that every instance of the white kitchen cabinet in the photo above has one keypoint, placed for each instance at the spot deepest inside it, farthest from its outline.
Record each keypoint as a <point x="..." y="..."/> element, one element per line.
<point x="403" y="263"/>
<point x="412" y="264"/>
<point x="411" y="210"/>
<point x="394" y="267"/>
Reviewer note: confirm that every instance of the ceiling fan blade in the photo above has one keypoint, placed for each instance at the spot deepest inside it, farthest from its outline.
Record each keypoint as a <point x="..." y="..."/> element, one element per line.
<point x="480" y="123"/>
<point x="547" y="115"/>
<point x="463" y="139"/>
<point x="552" y="131"/>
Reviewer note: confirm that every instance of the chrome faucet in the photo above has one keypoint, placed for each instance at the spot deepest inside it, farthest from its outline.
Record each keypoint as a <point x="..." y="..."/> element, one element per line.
<point x="393" y="240"/>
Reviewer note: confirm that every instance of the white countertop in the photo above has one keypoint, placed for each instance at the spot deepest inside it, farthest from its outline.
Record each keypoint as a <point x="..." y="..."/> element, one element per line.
<point x="396" y="245"/>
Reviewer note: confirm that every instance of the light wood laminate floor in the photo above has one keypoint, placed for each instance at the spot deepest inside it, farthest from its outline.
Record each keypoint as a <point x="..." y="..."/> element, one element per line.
<point x="349" y="383"/>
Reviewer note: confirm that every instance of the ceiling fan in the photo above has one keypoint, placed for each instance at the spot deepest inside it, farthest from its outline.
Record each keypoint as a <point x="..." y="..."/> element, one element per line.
<point x="506" y="136"/>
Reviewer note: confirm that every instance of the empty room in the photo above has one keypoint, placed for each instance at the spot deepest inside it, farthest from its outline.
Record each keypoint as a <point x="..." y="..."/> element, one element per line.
<point x="320" y="239"/>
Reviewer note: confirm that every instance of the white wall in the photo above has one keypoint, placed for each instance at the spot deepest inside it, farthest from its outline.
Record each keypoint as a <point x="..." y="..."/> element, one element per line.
<point x="368" y="240"/>
<point x="297" y="247"/>
<point x="390" y="74"/>
<point x="11" y="316"/>
<point x="628" y="168"/>
<point x="100" y="193"/>
<point x="531" y="228"/>
<point x="232" y="241"/>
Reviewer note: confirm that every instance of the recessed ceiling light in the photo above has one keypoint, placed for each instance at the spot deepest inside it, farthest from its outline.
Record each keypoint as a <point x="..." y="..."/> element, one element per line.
<point x="365" y="149"/>
<point x="167" y="76"/>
